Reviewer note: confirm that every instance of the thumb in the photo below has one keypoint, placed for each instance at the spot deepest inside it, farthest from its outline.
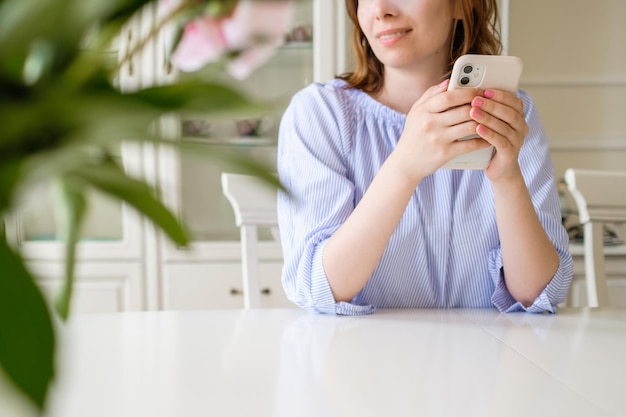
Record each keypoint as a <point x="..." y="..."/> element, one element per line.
<point x="434" y="90"/>
<point x="442" y="86"/>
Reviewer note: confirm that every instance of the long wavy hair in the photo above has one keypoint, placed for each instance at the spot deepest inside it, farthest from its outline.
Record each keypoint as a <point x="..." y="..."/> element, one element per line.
<point x="476" y="32"/>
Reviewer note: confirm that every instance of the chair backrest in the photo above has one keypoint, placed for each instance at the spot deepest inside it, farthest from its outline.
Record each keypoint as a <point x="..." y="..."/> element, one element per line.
<point x="254" y="204"/>
<point x="600" y="197"/>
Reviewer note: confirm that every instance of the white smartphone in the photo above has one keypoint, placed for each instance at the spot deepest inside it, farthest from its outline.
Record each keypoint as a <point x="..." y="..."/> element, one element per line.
<point x="500" y="72"/>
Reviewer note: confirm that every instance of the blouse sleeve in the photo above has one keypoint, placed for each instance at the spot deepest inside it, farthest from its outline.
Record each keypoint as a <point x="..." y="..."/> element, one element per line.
<point x="313" y="143"/>
<point x="538" y="173"/>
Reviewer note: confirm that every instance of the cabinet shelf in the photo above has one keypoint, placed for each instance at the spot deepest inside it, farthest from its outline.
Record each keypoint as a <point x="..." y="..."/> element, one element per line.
<point x="296" y="46"/>
<point x="236" y="141"/>
<point x="55" y="238"/>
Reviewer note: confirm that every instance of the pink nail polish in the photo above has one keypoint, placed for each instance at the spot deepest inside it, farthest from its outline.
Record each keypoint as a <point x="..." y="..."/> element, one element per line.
<point x="489" y="93"/>
<point x="478" y="102"/>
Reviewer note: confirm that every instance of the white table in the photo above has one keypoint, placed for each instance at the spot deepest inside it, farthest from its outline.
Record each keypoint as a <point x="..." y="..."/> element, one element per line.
<point x="393" y="363"/>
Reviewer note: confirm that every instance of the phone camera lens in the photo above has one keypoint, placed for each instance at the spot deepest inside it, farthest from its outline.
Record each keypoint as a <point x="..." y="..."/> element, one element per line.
<point x="467" y="69"/>
<point x="465" y="80"/>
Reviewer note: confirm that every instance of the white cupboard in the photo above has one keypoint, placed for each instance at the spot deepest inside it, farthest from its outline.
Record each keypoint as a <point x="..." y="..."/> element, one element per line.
<point x="124" y="264"/>
<point x="208" y="273"/>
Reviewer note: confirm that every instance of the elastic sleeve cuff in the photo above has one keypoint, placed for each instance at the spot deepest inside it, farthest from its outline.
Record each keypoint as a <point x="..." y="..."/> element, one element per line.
<point x="323" y="296"/>
<point x="502" y="298"/>
<point x="350" y="309"/>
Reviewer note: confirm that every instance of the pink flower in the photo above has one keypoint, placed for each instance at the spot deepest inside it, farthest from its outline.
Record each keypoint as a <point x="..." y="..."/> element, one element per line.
<point x="202" y="42"/>
<point x="253" y="31"/>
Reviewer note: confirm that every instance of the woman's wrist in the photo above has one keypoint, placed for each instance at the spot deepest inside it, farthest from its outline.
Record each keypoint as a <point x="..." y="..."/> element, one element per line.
<point x="509" y="180"/>
<point x="404" y="173"/>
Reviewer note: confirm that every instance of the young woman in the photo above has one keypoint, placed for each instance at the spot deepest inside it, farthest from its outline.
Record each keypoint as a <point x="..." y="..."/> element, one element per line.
<point x="371" y="220"/>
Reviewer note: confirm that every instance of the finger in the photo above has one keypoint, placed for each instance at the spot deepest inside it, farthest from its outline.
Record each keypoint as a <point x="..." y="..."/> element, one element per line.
<point x="434" y="90"/>
<point x="469" y="145"/>
<point x="501" y="143"/>
<point x="481" y="108"/>
<point x="493" y="124"/>
<point x="455" y="115"/>
<point x="461" y="131"/>
<point x="506" y="98"/>
<point x="451" y="99"/>
<point x="501" y="135"/>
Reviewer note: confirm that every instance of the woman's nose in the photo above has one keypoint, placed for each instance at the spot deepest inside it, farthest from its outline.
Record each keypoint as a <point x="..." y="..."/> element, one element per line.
<point x="385" y="8"/>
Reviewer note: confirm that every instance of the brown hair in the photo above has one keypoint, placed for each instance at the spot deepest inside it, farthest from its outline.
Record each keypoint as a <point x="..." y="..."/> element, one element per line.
<point x="476" y="32"/>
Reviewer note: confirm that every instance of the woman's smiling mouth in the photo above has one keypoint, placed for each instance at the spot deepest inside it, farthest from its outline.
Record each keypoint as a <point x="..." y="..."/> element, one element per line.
<point x="389" y="36"/>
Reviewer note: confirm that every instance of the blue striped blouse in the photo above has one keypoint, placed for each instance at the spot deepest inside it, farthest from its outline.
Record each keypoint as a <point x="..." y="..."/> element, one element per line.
<point x="445" y="252"/>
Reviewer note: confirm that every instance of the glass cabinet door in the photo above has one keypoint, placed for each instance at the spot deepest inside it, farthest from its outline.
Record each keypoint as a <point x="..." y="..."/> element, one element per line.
<point x="206" y="212"/>
<point x="191" y="183"/>
<point x="38" y="222"/>
<point x="109" y="228"/>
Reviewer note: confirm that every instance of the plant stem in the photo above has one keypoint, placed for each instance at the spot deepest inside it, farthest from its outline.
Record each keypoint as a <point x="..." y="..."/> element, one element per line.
<point x="186" y="4"/>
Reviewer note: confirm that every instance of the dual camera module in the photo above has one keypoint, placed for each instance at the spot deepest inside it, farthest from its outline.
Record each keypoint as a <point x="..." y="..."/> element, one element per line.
<point x="471" y="75"/>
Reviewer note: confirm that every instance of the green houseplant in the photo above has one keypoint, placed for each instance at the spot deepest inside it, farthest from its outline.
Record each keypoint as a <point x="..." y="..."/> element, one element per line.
<point x="60" y="114"/>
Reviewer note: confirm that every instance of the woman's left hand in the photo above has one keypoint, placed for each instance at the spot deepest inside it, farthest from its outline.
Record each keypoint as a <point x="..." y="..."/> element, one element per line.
<point x="501" y="122"/>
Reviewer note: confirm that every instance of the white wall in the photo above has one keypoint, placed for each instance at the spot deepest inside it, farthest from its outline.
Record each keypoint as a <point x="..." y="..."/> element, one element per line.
<point x="575" y="69"/>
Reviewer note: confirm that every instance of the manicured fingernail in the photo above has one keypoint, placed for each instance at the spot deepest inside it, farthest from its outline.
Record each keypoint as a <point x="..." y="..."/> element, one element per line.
<point x="444" y="83"/>
<point x="489" y="93"/>
<point x="477" y="102"/>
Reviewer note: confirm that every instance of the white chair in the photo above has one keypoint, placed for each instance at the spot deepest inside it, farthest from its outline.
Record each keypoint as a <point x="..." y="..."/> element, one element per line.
<point x="601" y="198"/>
<point x="254" y="204"/>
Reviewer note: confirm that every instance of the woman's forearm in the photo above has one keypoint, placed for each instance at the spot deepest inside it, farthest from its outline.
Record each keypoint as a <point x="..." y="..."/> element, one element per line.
<point x="353" y="252"/>
<point x="529" y="258"/>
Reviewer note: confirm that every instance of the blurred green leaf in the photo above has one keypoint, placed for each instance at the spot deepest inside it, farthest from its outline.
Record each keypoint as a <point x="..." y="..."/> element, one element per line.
<point x="214" y="99"/>
<point x="59" y="107"/>
<point x="9" y="177"/>
<point x="21" y="22"/>
<point x="26" y="332"/>
<point x="112" y="180"/>
<point x="66" y="22"/>
<point x="71" y="209"/>
<point x="98" y="114"/>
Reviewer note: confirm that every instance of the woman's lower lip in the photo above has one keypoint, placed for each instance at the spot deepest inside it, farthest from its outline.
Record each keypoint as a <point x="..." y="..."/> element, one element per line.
<point x="391" y="38"/>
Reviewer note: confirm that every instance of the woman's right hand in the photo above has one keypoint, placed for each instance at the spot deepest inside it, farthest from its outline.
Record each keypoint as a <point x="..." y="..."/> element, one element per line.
<point x="432" y="127"/>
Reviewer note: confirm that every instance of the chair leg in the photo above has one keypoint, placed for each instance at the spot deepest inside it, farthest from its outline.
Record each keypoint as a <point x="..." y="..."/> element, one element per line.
<point x="249" y="262"/>
<point x="597" y="294"/>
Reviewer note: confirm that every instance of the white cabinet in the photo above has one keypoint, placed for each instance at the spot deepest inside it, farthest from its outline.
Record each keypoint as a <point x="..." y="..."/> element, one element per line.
<point x="123" y="262"/>
<point x="100" y="287"/>
<point x="208" y="273"/>
<point x="110" y="254"/>
<point x="190" y="286"/>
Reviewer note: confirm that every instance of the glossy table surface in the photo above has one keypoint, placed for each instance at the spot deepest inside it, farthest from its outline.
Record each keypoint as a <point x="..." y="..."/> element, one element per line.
<point x="392" y="363"/>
